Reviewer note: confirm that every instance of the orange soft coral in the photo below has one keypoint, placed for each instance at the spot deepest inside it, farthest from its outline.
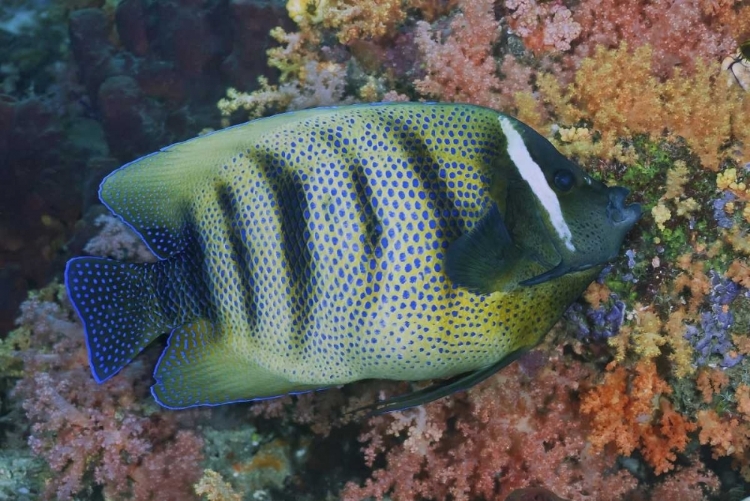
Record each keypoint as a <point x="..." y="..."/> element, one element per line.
<point x="710" y="382"/>
<point x="728" y="434"/>
<point x="693" y="279"/>
<point x="739" y="272"/>
<point x="718" y="432"/>
<point x="631" y="411"/>
<point x="619" y="92"/>
<point x="742" y="398"/>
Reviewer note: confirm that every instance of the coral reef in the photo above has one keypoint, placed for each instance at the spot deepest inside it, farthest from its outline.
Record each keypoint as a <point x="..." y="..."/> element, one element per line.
<point x="624" y="412"/>
<point x="108" y="432"/>
<point x="516" y="430"/>
<point x="620" y="87"/>
<point x="641" y="393"/>
<point x="461" y="67"/>
<point x="543" y="25"/>
<point x="214" y="488"/>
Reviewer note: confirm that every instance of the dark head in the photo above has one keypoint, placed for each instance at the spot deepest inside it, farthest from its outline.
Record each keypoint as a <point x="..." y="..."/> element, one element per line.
<point x="573" y="221"/>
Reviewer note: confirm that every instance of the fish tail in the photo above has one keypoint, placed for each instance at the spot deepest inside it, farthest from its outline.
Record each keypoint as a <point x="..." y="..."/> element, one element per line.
<point x="115" y="301"/>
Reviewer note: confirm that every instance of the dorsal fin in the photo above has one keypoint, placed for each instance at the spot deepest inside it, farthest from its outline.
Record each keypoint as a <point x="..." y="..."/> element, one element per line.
<point x="153" y="194"/>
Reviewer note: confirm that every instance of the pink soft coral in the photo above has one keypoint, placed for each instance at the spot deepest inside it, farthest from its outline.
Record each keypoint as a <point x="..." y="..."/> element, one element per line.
<point x="81" y="428"/>
<point x="117" y="240"/>
<point x="461" y="67"/>
<point x="511" y="432"/>
<point x="543" y="25"/>
<point x="681" y="32"/>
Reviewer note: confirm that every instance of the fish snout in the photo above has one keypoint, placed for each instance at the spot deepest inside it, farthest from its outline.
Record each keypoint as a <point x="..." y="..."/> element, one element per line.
<point x="619" y="213"/>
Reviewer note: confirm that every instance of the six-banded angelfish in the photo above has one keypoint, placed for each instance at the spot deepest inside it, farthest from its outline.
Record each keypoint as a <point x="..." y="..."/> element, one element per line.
<point x="403" y="241"/>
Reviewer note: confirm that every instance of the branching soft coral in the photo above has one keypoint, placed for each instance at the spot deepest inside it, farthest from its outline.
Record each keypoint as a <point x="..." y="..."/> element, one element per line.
<point x="117" y="241"/>
<point x="511" y="432"/>
<point x="710" y="382"/>
<point x="687" y="484"/>
<point x="632" y="412"/>
<point x="618" y="92"/>
<point x="321" y="84"/>
<point x="352" y="20"/>
<point x="104" y="432"/>
<point x="543" y="25"/>
<point x="727" y="433"/>
<point x="357" y="20"/>
<point x="694" y="279"/>
<point x="306" y="79"/>
<point x="680" y="31"/>
<point x="461" y="67"/>
<point x="213" y="487"/>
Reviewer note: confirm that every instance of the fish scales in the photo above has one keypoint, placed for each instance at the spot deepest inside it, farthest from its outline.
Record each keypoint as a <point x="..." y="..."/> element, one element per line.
<point x="309" y="249"/>
<point x="359" y="269"/>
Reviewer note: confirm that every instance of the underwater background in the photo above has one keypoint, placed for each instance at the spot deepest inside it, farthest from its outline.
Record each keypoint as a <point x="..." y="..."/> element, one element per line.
<point x="642" y="390"/>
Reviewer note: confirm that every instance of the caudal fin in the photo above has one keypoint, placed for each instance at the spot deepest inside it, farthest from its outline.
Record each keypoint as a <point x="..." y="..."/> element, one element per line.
<point x="118" y="309"/>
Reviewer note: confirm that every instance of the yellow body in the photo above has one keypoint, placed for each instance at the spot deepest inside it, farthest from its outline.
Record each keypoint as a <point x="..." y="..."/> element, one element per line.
<point x="307" y="250"/>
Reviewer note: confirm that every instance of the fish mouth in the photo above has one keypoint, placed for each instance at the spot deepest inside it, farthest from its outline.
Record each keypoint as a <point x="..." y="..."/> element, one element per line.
<point x="618" y="213"/>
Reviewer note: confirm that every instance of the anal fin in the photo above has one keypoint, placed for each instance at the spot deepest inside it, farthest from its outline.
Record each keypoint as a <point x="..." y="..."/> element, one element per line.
<point x="441" y="389"/>
<point x="199" y="367"/>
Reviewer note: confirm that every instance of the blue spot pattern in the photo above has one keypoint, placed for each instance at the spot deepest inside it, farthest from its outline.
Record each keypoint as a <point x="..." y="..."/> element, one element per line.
<point x="306" y="250"/>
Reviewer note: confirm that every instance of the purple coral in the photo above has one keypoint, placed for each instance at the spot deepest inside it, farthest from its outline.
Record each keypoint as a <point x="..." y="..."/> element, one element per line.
<point x="723" y="290"/>
<point x="713" y="337"/>
<point x="720" y="214"/>
<point x="98" y="435"/>
<point x="597" y="324"/>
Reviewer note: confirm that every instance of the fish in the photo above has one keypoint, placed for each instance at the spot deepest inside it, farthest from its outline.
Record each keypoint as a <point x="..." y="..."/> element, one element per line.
<point x="315" y="248"/>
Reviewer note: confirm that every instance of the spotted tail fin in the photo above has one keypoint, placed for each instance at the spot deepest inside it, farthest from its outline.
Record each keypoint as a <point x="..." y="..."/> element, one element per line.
<point x="117" y="305"/>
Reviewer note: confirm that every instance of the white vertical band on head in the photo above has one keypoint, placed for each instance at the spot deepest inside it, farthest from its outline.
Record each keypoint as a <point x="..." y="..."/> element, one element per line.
<point x="533" y="175"/>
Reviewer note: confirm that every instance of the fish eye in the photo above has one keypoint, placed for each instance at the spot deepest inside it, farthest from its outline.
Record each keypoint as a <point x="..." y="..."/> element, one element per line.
<point x="564" y="180"/>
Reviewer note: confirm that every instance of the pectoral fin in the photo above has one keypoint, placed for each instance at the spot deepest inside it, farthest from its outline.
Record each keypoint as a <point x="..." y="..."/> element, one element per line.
<point x="561" y="269"/>
<point x="480" y="259"/>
